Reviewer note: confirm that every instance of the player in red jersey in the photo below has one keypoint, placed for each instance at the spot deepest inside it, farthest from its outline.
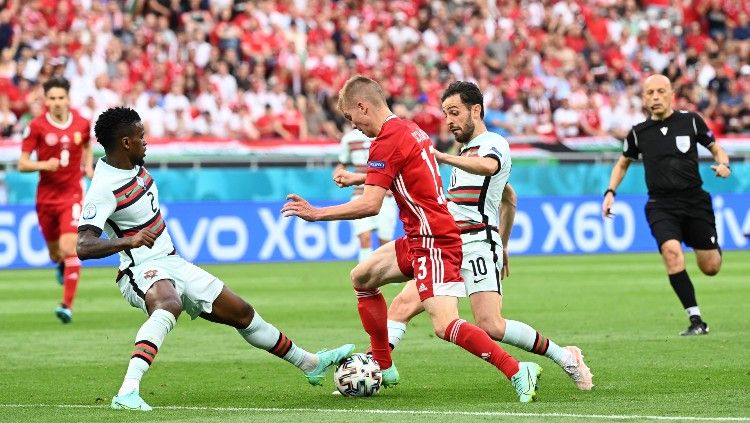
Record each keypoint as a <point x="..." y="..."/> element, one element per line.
<point x="401" y="160"/>
<point x="60" y="138"/>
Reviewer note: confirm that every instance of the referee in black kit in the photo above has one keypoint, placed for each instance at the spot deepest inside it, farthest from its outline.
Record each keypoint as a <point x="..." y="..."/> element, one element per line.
<point x="678" y="209"/>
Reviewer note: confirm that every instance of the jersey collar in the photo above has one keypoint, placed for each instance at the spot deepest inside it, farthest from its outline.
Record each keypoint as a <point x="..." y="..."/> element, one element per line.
<point x="65" y="125"/>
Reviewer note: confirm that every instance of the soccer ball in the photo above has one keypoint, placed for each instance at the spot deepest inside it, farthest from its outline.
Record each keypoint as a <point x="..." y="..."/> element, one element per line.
<point x="358" y="376"/>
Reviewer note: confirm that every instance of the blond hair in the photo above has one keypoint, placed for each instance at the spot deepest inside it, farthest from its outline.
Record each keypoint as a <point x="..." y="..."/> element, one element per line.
<point x="364" y="88"/>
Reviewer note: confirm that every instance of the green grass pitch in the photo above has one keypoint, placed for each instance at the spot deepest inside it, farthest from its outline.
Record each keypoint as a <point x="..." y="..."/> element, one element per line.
<point x="619" y="309"/>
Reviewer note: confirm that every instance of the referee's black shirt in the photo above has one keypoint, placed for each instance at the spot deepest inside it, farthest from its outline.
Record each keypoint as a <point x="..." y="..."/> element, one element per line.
<point x="670" y="152"/>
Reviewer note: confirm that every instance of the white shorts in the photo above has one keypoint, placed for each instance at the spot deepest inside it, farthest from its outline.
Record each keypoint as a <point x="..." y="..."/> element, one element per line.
<point x="384" y="222"/>
<point x="197" y="288"/>
<point x="482" y="266"/>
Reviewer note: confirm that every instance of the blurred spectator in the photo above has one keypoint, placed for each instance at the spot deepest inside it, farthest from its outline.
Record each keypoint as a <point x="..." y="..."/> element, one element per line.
<point x="528" y="56"/>
<point x="566" y="120"/>
<point x="8" y="119"/>
<point x="496" y="119"/>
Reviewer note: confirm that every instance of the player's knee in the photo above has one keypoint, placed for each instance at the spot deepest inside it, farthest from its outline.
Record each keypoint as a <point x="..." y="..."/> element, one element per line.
<point x="402" y="309"/>
<point x="171" y="304"/>
<point x="711" y="267"/>
<point x="673" y="257"/>
<point x="67" y="251"/>
<point x="492" y="325"/>
<point x="245" y="314"/>
<point x="360" y="276"/>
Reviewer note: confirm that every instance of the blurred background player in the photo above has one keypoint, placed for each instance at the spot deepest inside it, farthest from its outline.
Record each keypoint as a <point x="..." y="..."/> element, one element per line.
<point x="480" y="199"/>
<point x="678" y="209"/>
<point x="60" y="137"/>
<point x="355" y="148"/>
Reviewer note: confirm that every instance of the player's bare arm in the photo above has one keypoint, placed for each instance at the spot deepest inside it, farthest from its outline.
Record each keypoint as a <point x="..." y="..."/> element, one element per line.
<point x="344" y="178"/>
<point x="485" y="166"/>
<point x="26" y="164"/>
<point x="88" y="161"/>
<point x="618" y="172"/>
<point x="367" y="205"/>
<point x="721" y="168"/>
<point x="507" y="216"/>
<point x="90" y="245"/>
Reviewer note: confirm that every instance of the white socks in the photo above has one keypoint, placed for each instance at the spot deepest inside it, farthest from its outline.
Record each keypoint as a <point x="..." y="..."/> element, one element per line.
<point x="263" y="335"/>
<point x="396" y="331"/>
<point x="525" y="337"/>
<point x="148" y="340"/>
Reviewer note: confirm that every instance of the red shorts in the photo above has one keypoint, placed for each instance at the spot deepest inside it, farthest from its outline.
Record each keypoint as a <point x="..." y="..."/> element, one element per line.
<point x="58" y="219"/>
<point x="436" y="268"/>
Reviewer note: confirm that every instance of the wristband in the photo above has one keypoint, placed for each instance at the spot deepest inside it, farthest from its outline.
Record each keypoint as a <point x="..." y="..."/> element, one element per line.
<point x="614" y="194"/>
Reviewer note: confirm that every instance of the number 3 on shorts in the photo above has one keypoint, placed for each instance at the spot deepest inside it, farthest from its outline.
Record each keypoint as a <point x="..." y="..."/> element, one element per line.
<point x="422" y="268"/>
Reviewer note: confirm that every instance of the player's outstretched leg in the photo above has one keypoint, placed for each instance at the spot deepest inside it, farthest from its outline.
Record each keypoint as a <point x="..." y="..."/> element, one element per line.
<point x="264" y="335"/>
<point x="523" y="376"/>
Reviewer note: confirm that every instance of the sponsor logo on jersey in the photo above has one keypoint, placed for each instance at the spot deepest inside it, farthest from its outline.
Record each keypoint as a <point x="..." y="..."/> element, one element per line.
<point x="140" y="181"/>
<point x="77" y="138"/>
<point x="89" y="211"/>
<point x="150" y="274"/>
<point x="376" y="164"/>
<point x="493" y="149"/>
<point x="422" y="287"/>
<point x="51" y="139"/>
<point x="683" y="143"/>
<point x="664" y="130"/>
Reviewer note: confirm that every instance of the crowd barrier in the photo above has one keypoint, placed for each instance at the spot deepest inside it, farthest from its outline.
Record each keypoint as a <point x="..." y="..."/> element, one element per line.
<point x="253" y="232"/>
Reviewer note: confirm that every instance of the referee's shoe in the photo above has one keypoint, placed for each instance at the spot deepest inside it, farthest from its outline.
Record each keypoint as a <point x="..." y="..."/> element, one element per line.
<point x="697" y="327"/>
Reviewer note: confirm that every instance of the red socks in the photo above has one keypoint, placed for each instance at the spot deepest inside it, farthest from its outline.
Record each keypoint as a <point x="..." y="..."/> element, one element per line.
<point x="476" y="341"/>
<point x="373" y="311"/>
<point x="70" y="280"/>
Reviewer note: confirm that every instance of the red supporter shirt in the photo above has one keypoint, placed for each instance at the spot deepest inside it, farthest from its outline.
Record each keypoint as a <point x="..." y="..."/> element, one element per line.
<point x="401" y="160"/>
<point x="64" y="142"/>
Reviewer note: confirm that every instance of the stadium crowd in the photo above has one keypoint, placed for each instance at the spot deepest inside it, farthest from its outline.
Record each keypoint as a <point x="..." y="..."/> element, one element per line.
<point x="271" y="69"/>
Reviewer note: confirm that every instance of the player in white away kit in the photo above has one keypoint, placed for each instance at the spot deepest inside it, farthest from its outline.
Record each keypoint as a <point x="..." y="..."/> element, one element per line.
<point x="123" y="202"/>
<point x="479" y="180"/>
<point x="355" y="149"/>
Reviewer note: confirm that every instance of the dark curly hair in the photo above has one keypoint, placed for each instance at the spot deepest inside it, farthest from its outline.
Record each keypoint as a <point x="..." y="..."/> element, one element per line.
<point x="469" y="92"/>
<point x="113" y="124"/>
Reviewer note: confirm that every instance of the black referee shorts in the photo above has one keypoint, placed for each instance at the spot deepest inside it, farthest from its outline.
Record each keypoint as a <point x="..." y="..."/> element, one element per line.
<point x="686" y="219"/>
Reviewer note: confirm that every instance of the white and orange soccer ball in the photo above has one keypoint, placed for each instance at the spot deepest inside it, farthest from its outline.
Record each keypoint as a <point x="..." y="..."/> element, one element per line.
<point x="358" y="376"/>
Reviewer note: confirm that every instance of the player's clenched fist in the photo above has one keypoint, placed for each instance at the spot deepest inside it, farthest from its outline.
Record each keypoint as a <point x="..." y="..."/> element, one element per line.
<point x="344" y="178"/>
<point x="143" y="237"/>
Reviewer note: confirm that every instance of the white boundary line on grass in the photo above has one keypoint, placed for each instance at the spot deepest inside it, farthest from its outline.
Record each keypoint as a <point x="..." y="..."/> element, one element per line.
<point x="407" y="412"/>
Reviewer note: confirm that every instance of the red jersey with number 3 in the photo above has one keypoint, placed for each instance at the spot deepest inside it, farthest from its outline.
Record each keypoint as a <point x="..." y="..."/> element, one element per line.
<point x="64" y="142"/>
<point x="401" y="160"/>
